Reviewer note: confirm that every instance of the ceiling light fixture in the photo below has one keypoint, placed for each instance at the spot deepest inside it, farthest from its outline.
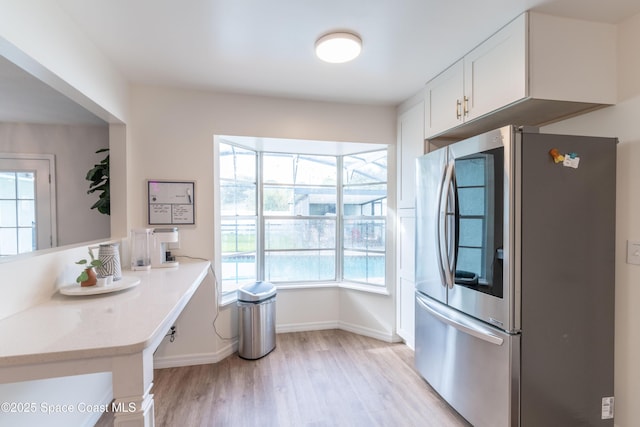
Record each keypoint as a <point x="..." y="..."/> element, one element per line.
<point x="338" y="47"/>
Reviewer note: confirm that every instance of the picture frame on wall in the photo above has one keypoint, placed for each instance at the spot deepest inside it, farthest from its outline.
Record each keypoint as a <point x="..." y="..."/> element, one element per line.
<point x="171" y="202"/>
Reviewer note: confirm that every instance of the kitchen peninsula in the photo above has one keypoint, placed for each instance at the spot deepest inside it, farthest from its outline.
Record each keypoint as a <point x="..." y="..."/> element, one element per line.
<point x="115" y="332"/>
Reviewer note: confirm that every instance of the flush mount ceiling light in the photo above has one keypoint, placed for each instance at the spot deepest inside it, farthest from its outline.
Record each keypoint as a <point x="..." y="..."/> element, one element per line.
<point x="338" y="47"/>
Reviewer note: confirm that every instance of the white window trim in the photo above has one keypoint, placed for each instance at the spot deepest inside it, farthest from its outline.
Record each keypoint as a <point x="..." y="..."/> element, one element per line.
<point x="53" y="221"/>
<point x="230" y="297"/>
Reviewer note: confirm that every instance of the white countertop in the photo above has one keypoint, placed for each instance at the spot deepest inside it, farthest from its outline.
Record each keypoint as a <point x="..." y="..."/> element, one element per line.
<point x="79" y="327"/>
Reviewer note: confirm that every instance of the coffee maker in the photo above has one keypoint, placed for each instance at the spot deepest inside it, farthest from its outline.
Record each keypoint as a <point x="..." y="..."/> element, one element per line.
<point x="160" y="250"/>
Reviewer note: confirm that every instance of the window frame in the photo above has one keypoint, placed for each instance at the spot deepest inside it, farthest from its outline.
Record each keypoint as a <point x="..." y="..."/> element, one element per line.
<point x="43" y="168"/>
<point x="228" y="295"/>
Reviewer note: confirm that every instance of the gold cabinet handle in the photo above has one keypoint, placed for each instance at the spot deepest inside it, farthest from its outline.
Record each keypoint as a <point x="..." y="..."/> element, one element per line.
<point x="458" y="114"/>
<point x="466" y="106"/>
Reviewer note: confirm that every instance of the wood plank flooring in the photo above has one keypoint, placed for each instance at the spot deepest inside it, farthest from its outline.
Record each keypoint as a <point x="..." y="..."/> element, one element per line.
<point x="319" y="378"/>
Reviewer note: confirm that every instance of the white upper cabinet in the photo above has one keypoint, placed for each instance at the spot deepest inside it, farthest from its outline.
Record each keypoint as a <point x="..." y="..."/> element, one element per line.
<point x="536" y="69"/>
<point x="494" y="72"/>
<point x="410" y="146"/>
<point x="443" y="100"/>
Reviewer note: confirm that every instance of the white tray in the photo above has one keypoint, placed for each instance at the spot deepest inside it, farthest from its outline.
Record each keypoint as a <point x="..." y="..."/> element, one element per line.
<point x="76" y="290"/>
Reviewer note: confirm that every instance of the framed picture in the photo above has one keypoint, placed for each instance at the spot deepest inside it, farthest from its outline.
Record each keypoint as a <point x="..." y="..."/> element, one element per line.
<point x="171" y="202"/>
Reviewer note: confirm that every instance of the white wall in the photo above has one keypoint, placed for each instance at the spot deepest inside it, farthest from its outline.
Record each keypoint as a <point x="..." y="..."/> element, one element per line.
<point x="39" y="37"/>
<point x="173" y="131"/>
<point x="622" y="121"/>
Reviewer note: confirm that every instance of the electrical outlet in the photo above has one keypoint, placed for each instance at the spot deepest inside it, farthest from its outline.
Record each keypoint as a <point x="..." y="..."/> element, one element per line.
<point x="633" y="252"/>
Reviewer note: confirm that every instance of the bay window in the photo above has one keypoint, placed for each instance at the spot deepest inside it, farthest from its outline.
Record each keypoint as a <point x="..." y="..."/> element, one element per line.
<point x="289" y="217"/>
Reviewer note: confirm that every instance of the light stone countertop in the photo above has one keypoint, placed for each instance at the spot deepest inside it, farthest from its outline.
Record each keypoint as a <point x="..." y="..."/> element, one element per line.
<point x="69" y="328"/>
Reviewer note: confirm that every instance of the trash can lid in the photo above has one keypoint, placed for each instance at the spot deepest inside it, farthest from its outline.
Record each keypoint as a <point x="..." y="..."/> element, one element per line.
<point x="257" y="291"/>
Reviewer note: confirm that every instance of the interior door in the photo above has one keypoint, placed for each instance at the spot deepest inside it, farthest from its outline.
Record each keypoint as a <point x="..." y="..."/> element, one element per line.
<point x="27" y="203"/>
<point x="430" y="175"/>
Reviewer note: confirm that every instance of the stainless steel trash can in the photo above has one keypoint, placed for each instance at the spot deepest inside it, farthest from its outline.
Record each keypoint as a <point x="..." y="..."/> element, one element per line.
<point x="257" y="320"/>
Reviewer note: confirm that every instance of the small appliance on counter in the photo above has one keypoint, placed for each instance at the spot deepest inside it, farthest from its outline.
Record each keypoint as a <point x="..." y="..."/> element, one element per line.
<point x="141" y="249"/>
<point x="160" y="253"/>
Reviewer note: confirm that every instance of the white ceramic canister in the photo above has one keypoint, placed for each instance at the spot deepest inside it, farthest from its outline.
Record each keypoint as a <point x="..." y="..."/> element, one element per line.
<point x="109" y="255"/>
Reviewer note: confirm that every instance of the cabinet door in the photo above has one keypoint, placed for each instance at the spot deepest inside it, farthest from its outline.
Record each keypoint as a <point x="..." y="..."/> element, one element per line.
<point x="405" y="288"/>
<point x="495" y="73"/>
<point x="410" y="146"/>
<point x="443" y="100"/>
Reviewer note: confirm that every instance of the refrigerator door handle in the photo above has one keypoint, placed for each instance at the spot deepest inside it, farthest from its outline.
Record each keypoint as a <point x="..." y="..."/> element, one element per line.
<point x="452" y="224"/>
<point x="440" y="228"/>
<point x="443" y="228"/>
<point x="467" y="328"/>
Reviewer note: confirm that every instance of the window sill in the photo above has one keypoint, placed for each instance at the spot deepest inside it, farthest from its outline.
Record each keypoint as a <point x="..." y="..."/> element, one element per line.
<point x="231" y="297"/>
<point x="371" y="289"/>
<point x="228" y="299"/>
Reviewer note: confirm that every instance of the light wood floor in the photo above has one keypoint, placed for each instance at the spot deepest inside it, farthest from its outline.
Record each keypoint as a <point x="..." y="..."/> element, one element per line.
<point x="320" y="378"/>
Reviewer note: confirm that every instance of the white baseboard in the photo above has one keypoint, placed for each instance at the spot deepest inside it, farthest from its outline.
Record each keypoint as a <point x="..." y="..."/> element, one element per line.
<point x="195" y="359"/>
<point x="231" y="348"/>
<point x="368" y="332"/>
<point x="304" y="327"/>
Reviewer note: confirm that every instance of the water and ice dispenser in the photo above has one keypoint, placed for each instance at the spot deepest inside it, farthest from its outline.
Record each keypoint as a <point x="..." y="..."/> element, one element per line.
<point x="150" y="248"/>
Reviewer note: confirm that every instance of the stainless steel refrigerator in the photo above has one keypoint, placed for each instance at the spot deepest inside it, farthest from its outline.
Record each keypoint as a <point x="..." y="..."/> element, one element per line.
<point x="515" y="277"/>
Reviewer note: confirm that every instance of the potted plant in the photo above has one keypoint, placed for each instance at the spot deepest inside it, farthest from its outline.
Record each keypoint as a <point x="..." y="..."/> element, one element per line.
<point x="88" y="276"/>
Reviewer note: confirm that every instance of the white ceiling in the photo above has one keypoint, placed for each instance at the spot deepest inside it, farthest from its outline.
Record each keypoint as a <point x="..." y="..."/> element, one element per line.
<point x="266" y="47"/>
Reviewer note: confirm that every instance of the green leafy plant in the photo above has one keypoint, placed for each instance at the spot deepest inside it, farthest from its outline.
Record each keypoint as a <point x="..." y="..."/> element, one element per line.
<point x="99" y="177"/>
<point x="87" y="265"/>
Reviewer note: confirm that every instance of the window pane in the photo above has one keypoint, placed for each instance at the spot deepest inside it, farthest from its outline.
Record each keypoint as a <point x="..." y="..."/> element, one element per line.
<point x="26" y="240"/>
<point x="277" y="200"/>
<point x="299" y="200"/>
<point x="300" y="266"/>
<point x="278" y="168"/>
<point x="8" y="241"/>
<point x="317" y="170"/>
<point x="27" y="213"/>
<point x="365" y="200"/>
<point x="7" y="185"/>
<point x="364" y="234"/>
<point x="300" y="234"/>
<point x="238" y="269"/>
<point x="237" y="198"/>
<point x="237" y="164"/>
<point x="238" y="252"/>
<point x="8" y="213"/>
<point x="238" y="235"/>
<point x="26" y="185"/>
<point x="365" y="167"/>
<point x="299" y="169"/>
<point x="364" y="267"/>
